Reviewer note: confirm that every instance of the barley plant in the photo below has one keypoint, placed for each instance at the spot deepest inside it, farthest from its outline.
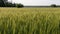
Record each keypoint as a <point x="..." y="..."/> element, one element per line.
<point x="29" y="20"/>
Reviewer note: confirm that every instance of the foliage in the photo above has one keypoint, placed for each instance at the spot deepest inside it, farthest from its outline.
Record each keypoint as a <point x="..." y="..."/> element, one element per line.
<point x="4" y="3"/>
<point x="19" y="5"/>
<point x="1" y="3"/>
<point x="29" y="20"/>
<point x="53" y="5"/>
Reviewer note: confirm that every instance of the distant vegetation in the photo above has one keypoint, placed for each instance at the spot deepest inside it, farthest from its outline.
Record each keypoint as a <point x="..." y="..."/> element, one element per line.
<point x="53" y="5"/>
<point x="5" y="3"/>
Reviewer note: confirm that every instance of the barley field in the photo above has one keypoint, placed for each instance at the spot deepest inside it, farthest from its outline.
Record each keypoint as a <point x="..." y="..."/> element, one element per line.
<point x="29" y="20"/>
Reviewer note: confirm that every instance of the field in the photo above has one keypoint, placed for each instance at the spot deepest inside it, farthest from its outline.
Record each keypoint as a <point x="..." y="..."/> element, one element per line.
<point x="29" y="20"/>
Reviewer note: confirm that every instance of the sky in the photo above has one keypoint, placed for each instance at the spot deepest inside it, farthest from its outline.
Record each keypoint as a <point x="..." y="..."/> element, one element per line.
<point x="36" y="2"/>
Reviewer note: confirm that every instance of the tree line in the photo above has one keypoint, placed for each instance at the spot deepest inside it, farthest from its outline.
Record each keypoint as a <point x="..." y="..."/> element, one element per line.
<point x="5" y="3"/>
